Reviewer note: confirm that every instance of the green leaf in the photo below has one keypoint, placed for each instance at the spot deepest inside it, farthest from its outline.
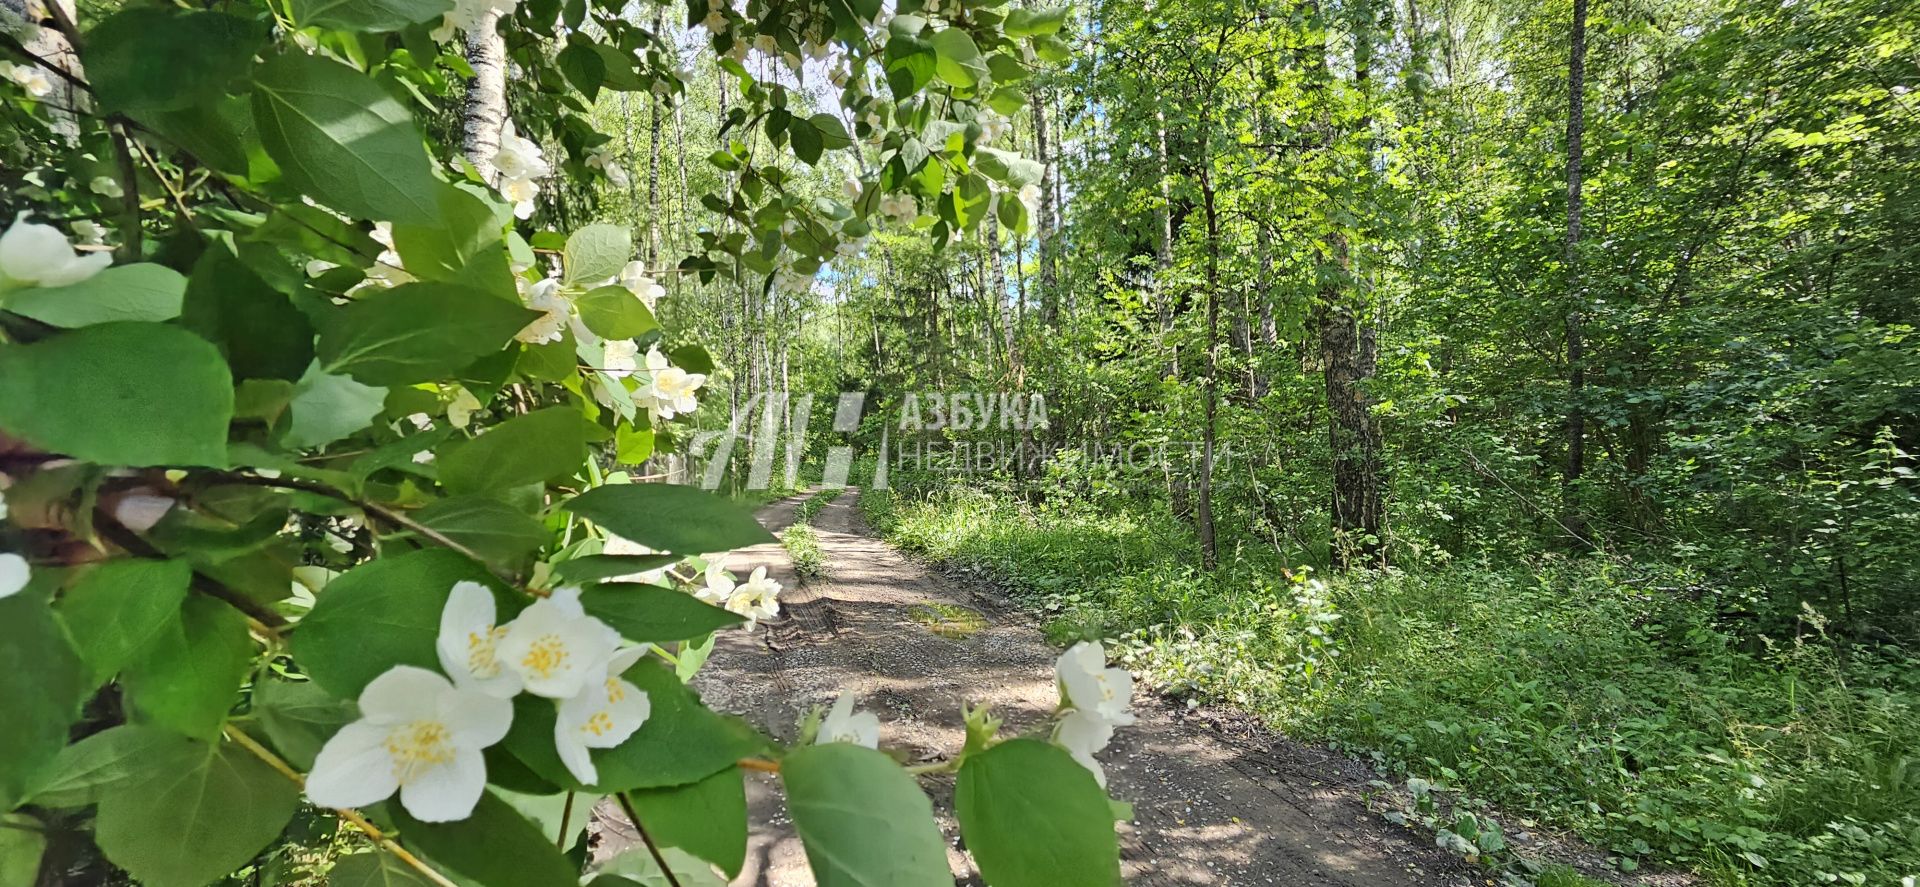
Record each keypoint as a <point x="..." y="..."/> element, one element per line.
<point x="529" y="449"/>
<point x="958" y="58"/>
<point x="42" y="680"/>
<point x="1007" y="100"/>
<point x="863" y="820"/>
<point x="499" y="532"/>
<point x="597" y="252"/>
<point x="162" y="59"/>
<point x="650" y="613"/>
<point x="692" y="358"/>
<point x="299" y="717"/>
<point x="807" y="140"/>
<point x="614" y="312"/>
<point x="343" y="140"/>
<point x="375" y="16"/>
<point x="496" y="846"/>
<point x="384" y="613"/>
<point x="1035" y="21"/>
<point x="87" y="770"/>
<point x="682" y="741"/>
<point x="256" y="327"/>
<point x="548" y="811"/>
<point x="190" y="674"/>
<point x="119" y="608"/>
<point x="638" y="867"/>
<point x="205" y="812"/>
<point x="632" y="446"/>
<point x="584" y="68"/>
<point x="142" y="291"/>
<point x="707" y="818"/>
<point x="833" y="133"/>
<point x="22" y="843"/>
<point x="373" y="868"/>
<point x="670" y="518"/>
<point x="418" y="332"/>
<point x="467" y="231"/>
<point x="911" y="63"/>
<point x="327" y="407"/>
<point x="1033" y="817"/>
<point x="1007" y="167"/>
<point x="133" y="394"/>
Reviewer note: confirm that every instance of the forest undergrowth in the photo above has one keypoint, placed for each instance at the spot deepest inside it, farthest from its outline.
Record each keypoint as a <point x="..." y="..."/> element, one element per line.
<point x="1576" y="692"/>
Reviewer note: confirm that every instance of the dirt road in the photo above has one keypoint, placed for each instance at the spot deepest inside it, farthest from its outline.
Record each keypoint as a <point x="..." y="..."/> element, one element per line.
<point x="1210" y="807"/>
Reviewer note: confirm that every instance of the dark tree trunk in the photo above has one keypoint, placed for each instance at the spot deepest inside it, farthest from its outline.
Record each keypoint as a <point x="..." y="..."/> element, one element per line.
<point x="1576" y="295"/>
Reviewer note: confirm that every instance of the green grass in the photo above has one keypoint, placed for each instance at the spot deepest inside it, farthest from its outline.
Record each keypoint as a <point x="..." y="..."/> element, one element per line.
<point x="1571" y="691"/>
<point x="803" y="548"/>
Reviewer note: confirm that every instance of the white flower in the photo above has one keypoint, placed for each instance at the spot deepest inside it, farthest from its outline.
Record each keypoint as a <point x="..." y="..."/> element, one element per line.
<point x="843" y="724"/>
<point x="29" y="78"/>
<point x="519" y="158"/>
<point x="417" y="734"/>
<point x="603" y="715"/>
<point x="635" y="278"/>
<point x="715" y="22"/>
<point x="317" y="267"/>
<point x="14" y="574"/>
<point x="387" y="269"/>
<point x="32" y="254"/>
<point x="850" y="186"/>
<point x="423" y="457"/>
<point x="992" y="127"/>
<point x="461" y="409"/>
<point x="1082" y="734"/>
<point x="555" y="647"/>
<point x="1030" y="198"/>
<point x="758" y="598"/>
<point x="602" y="159"/>
<point x="89" y="232"/>
<point x="106" y="186"/>
<point x="719" y="587"/>
<point x="1092" y="687"/>
<point x="622" y="358"/>
<point x="469" y="642"/>
<point x="671" y="388"/>
<point x="901" y="208"/>
<point x="141" y="509"/>
<point x="621" y="545"/>
<point x="421" y="421"/>
<point x="551" y="326"/>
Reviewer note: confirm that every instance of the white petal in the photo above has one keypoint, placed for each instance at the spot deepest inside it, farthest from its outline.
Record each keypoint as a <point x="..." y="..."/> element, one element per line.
<point x="466" y="631"/>
<point x="574" y="754"/>
<point x="14" y="574"/>
<point x="403" y="693"/>
<point x="353" y="769"/>
<point x="447" y="792"/>
<point x="475" y="718"/>
<point x="78" y="269"/>
<point x="1082" y="731"/>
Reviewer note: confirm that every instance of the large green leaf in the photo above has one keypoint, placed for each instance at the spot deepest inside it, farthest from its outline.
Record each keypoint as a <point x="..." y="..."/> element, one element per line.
<point x="326" y="407"/>
<point x="637" y="866"/>
<point x="41" y="680"/>
<point x="23" y="841"/>
<point x="672" y="518"/>
<point x="497" y="531"/>
<point x="85" y="771"/>
<point x="467" y="230"/>
<point x="496" y="846"/>
<point x="682" y="741"/>
<point x="119" y="608"/>
<point x="135" y="394"/>
<point x="597" y="252"/>
<point x="190" y="674"/>
<point x="381" y="614"/>
<point x="707" y="818"/>
<point x="141" y="291"/>
<point x="595" y="567"/>
<point x="650" y="613"/>
<point x="1035" y="21"/>
<point x="614" y="312"/>
<point x="343" y="140"/>
<point x="1033" y="817"/>
<point x="299" y="717"/>
<point x="419" y="332"/>
<point x="958" y="59"/>
<point x="152" y="58"/>
<point x="256" y="327"/>
<point x="863" y="820"/>
<point x="366" y="15"/>
<point x="374" y="868"/>
<point x="536" y="447"/>
<point x="203" y="812"/>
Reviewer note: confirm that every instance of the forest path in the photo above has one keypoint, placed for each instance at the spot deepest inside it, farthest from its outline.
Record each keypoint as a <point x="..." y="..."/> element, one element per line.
<point x="1209" y="808"/>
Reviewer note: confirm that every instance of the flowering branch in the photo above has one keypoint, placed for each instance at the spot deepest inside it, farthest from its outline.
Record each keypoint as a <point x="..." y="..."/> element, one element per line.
<point x="373" y="832"/>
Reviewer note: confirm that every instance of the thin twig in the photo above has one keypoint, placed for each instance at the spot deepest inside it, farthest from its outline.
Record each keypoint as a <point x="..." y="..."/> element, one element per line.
<point x="360" y="822"/>
<point x="647" y="839"/>
<point x="566" y="813"/>
<point x="758" y="764"/>
<point x="259" y="617"/>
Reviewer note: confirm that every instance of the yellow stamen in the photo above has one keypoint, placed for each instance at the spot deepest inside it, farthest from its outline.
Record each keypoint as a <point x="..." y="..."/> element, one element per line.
<point x="417" y="748"/>
<point x="545" y="656"/>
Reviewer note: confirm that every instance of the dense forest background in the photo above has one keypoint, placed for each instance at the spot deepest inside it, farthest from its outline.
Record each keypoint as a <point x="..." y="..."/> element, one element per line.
<point x="1570" y="343"/>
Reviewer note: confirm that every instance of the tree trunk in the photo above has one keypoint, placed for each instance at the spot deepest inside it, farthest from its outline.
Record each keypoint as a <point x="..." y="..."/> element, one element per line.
<point x="1043" y="226"/>
<point x="1209" y="554"/>
<point x="485" y="113"/>
<point x="1576" y="289"/>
